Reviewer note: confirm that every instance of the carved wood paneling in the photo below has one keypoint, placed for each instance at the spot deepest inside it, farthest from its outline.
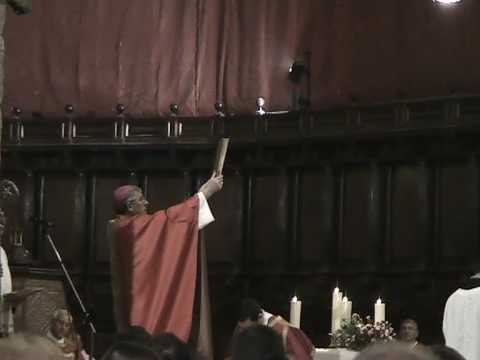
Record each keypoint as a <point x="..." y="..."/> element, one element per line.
<point x="269" y="221"/>
<point x="63" y="204"/>
<point x="224" y="238"/>
<point x="164" y="189"/>
<point x="103" y="186"/>
<point x="410" y="229"/>
<point x="361" y="229"/>
<point x="458" y="212"/>
<point x="316" y="219"/>
<point x="391" y="216"/>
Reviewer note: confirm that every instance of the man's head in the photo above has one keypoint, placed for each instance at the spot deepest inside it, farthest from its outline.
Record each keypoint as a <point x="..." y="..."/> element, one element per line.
<point x="408" y="330"/>
<point x="62" y="323"/>
<point x="129" y="200"/>
<point x="135" y="334"/>
<point x="169" y="347"/>
<point x="249" y="313"/>
<point x="130" y="351"/>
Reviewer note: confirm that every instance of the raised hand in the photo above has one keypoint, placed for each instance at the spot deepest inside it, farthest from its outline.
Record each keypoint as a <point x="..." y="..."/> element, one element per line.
<point x="214" y="184"/>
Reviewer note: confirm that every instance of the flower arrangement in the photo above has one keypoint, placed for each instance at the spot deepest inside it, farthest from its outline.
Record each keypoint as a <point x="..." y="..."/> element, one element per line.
<point x="357" y="333"/>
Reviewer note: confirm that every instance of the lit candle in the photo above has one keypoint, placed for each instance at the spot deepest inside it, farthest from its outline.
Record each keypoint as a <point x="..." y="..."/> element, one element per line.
<point x="295" y="311"/>
<point x="336" y="309"/>
<point x="346" y="309"/>
<point x="379" y="311"/>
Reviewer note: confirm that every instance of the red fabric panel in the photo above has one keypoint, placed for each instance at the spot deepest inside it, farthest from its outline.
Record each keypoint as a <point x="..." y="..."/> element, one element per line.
<point x="150" y="53"/>
<point x="158" y="260"/>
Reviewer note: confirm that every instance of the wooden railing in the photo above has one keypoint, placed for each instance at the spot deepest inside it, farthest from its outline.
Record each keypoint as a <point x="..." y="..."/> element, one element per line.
<point x="405" y="117"/>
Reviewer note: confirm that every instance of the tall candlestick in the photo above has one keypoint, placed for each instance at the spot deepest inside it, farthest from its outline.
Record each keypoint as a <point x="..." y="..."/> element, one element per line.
<point x="379" y="311"/>
<point x="295" y="312"/>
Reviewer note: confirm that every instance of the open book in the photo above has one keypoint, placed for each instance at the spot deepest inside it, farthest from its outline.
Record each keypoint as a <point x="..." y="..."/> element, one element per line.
<point x="220" y="156"/>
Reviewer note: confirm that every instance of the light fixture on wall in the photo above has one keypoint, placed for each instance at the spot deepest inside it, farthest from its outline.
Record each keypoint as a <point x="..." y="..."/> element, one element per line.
<point x="299" y="77"/>
<point x="447" y="2"/>
<point x="260" y="106"/>
<point x="297" y="71"/>
<point x="220" y="109"/>
<point x="174" y="109"/>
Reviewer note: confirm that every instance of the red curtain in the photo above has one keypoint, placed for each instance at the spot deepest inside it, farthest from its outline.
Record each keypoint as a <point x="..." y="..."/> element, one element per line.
<point x="151" y="53"/>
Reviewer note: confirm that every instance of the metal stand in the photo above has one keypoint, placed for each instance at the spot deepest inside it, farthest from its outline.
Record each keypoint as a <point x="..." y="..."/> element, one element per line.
<point x="86" y="315"/>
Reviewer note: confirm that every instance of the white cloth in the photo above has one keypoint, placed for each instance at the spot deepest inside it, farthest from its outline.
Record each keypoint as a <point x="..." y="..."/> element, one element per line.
<point x="265" y="317"/>
<point x="61" y="344"/>
<point x="461" y="322"/>
<point x="6" y="316"/>
<point x="205" y="215"/>
<point x="6" y="281"/>
<point x="334" y="354"/>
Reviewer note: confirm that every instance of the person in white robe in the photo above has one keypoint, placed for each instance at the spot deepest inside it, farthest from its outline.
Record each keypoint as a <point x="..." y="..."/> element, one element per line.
<point x="6" y="316"/>
<point x="461" y="319"/>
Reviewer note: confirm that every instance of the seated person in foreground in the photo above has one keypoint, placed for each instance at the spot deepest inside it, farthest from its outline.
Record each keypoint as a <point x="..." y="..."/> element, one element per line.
<point x="169" y="347"/>
<point x="297" y="345"/>
<point x="62" y="333"/>
<point x="443" y="352"/>
<point x="258" y="342"/>
<point x="130" y="350"/>
<point x="28" y="347"/>
<point x="393" y="351"/>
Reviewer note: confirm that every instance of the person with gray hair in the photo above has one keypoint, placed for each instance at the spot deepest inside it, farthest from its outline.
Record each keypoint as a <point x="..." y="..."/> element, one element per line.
<point x="393" y="351"/>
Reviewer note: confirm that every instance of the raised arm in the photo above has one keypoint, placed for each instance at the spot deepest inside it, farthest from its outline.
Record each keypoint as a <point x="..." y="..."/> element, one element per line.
<point x="213" y="185"/>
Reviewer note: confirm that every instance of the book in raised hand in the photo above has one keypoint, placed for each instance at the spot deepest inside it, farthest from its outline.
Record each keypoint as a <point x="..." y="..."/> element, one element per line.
<point x="222" y="148"/>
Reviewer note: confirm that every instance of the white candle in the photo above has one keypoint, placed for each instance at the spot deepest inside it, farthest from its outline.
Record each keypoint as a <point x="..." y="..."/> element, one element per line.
<point x="349" y="310"/>
<point x="346" y="309"/>
<point x="379" y="311"/>
<point x="337" y="310"/>
<point x="295" y="311"/>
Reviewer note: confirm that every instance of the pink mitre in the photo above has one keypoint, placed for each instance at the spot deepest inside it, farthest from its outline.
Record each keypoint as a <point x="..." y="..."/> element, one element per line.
<point x="121" y="194"/>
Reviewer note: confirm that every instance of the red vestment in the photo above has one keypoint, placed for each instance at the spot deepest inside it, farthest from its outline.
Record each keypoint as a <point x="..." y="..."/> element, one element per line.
<point x="156" y="259"/>
<point x="297" y="344"/>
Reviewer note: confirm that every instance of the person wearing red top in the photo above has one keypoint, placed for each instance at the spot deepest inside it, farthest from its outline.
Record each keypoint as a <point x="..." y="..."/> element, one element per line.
<point x="154" y="259"/>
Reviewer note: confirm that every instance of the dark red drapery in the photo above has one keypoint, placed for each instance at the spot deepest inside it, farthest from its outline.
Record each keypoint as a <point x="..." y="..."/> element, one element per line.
<point x="151" y="53"/>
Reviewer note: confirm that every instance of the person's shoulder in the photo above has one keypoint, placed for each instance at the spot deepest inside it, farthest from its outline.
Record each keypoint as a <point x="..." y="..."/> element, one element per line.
<point x="422" y="348"/>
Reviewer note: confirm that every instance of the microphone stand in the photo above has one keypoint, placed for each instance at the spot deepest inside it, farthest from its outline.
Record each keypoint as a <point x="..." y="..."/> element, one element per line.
<point x="86" y="315"/>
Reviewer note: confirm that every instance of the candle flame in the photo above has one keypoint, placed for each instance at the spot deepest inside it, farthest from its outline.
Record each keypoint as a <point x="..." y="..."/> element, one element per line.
<point x="336" y="290"/>
<point x="379" y="301"/>
<point x="294" y="299"/>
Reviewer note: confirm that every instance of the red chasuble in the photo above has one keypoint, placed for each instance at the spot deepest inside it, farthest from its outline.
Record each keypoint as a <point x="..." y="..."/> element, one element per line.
<point x="297" y="344"/>
<point x="157" y="268"/>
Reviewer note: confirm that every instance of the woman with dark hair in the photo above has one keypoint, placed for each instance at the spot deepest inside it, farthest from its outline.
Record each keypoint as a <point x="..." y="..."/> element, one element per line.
<point x="129" y="350"/>
<point x="170" y="347"/>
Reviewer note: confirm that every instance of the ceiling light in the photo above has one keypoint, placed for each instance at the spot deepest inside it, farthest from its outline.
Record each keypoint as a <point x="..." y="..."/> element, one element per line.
<point x="447" y="1"/>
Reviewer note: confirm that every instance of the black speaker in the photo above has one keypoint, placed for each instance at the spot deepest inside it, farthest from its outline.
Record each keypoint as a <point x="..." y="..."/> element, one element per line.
<point x="21" y="7"/>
